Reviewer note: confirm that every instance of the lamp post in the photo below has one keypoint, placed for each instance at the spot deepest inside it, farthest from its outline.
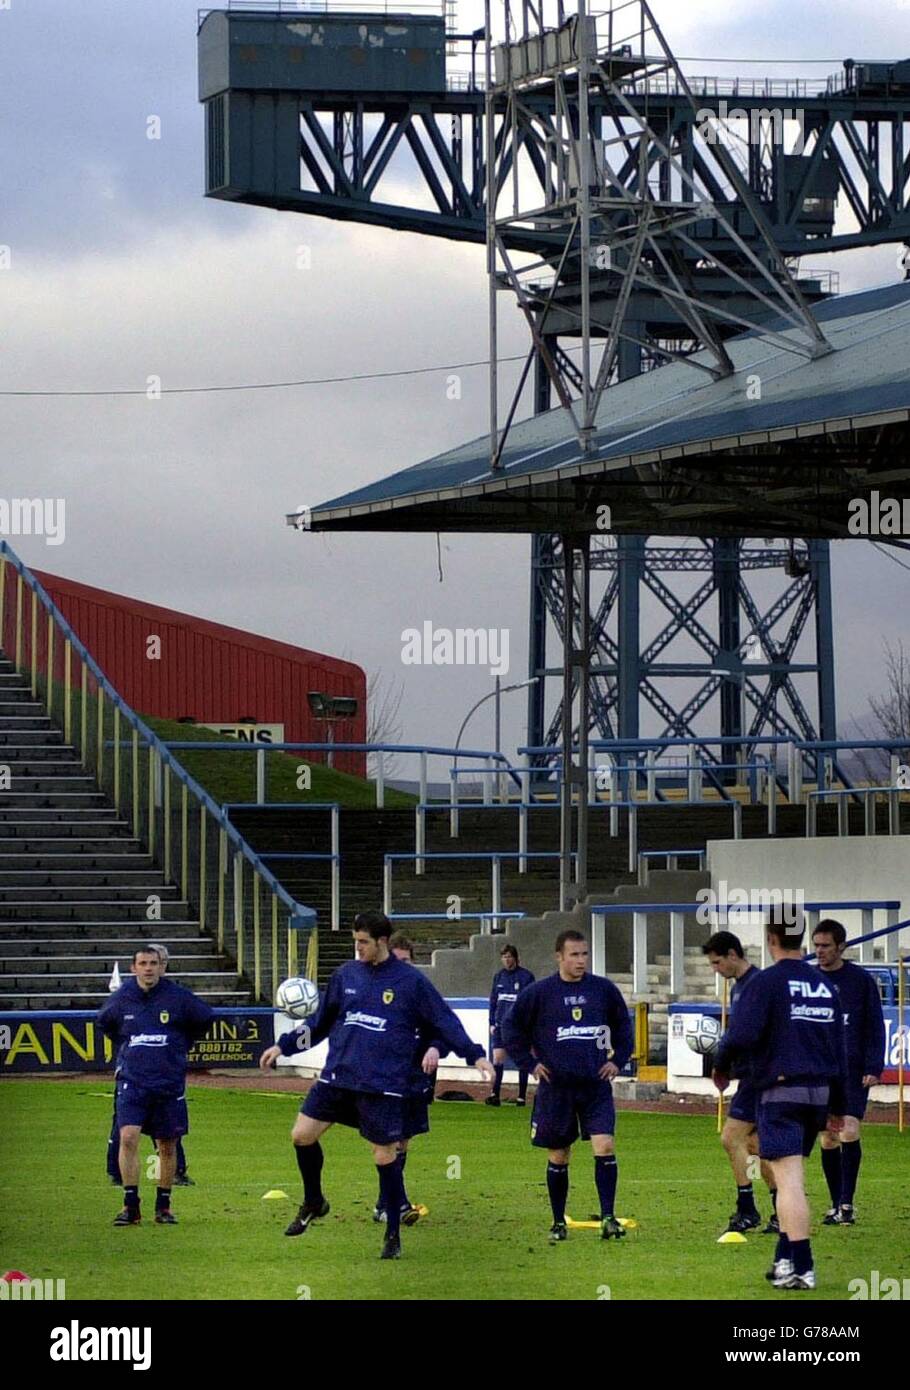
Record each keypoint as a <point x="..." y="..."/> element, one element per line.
<point x="495" y="694"/>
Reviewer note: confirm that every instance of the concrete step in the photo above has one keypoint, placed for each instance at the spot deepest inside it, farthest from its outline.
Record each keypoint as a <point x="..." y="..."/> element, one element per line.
<point x="102" y="949"/>
<point x="96" y="966"/>
<point x="137" y="929"/>
<point x="114" y="908"/>
<point x="92" y="873"/>
<point x="54" y="982"/>
<point x="94" y="999"/>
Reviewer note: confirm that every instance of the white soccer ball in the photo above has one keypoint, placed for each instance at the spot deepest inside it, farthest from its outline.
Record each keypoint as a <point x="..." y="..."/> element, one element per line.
<point x="703" y="1034"/>
<point x="297" y="997"/>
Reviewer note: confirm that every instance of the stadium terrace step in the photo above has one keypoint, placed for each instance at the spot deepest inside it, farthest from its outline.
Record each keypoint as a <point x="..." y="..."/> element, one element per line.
<point x="75" y="884"/>
<point x="70" y="852"/>
<point x="60" y="870"/>
<point x="94" y="999"/>
<point x="102" y="949"/>
<point x="134" y="932"/>
<point x="39" y="913"/>
<point x="99" y="967"/>
<point x="74" y="893"/>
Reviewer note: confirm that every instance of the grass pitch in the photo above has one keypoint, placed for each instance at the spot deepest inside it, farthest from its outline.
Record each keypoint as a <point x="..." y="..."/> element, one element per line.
<point x="485" y="1237"/>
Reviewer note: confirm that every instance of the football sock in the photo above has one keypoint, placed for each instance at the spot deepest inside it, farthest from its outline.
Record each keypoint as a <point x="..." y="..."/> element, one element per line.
<point x="606" y="1172"/>
<point x="401" y="1161"/>
<point x="497" y="1084"/>
<point x="131" y="1198"/>
<point x="745" y="1199"/>
<point x="783" y="1248"/>
<point x="522" y="1085"/>
<point x="833" y="1171"/>
<point x="801" y="1255"/>
<point x="181" y="1160"/>
<point x="309" y="1161"/>
<point x="163" y="1199"/>
<point x="392" y="1189"/>
<point x="772" y="1193"/>
<point x="558" y="1188"/>
<point x="851" y="1158"/>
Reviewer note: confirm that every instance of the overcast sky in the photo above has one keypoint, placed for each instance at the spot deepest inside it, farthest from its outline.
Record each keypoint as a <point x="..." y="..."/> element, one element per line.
<point x="121" y="269"/>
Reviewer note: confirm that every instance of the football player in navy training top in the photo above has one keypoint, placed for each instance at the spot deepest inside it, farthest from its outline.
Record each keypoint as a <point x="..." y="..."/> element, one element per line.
<point x="417" y="1120"/>
<point x="181" y="1176"/>
<point x="372" y="1012"/>
<point x="562" y="1028"/>
<point x="791" y="1026"/>
<point x="865" y="1028"/>
<point x="152" y="1021"/>
<point x="739" y="1137"/>
<point x="507" y="983"/>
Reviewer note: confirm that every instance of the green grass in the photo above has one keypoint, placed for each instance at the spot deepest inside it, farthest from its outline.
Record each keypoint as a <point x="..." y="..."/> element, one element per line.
<point x="229" y="776"/>
<point x="485" y="1237"/>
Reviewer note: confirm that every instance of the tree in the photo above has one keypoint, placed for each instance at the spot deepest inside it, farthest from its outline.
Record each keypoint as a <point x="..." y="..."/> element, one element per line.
<point x="384" y="698"/>
<point x="890" y="715"/>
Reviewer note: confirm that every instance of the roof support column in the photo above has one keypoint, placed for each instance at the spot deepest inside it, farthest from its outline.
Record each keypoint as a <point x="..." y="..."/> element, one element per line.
<point x="575" y="678"/>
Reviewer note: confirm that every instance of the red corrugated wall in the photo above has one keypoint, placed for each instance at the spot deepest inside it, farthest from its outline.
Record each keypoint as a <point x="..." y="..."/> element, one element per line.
<point x="214" y="673"/>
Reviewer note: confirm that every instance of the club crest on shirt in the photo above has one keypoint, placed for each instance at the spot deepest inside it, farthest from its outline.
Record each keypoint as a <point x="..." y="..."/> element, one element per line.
<point x="164" y="1016"/>
<point x="576" y="1014"/>
<point x="387" y="996"/>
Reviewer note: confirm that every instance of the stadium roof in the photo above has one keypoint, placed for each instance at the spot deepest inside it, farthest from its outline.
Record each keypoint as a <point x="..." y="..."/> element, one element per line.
<point x="678" y="453"/>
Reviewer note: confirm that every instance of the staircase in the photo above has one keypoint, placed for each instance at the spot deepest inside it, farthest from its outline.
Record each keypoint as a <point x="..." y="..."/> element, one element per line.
<point x="74" y="885"/>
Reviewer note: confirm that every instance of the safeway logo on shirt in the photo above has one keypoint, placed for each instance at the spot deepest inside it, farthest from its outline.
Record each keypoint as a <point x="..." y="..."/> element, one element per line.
<point x="587" y="1032"/>
<point x="149" y="1040"/>
<point x="371" y="1022"/>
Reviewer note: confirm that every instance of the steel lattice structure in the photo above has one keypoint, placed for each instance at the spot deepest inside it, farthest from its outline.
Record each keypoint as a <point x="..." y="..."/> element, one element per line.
<point x="691" y="232"/>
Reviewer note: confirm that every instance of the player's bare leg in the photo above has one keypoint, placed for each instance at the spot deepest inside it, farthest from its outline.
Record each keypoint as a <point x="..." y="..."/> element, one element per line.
<point x="605" y="1179"/>
<point x="129" y="1172"/>
<point x="793" y="1257"/>
<point x="739" y="1142"/>
<point x="773" y="1226"/>
<point x="167" y="1159"/>
<point x="305" y="1137"/>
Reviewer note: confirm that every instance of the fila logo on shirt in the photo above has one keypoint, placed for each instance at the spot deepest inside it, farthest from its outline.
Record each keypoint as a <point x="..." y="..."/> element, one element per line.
<point x="808" y="990"/>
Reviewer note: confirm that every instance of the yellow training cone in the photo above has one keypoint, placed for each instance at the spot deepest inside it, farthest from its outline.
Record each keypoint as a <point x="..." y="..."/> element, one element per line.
<point x="732" y="1238"/>
<point x="276" y="1195"/>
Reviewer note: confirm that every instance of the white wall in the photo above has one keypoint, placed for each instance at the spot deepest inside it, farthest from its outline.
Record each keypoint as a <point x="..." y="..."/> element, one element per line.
<point x="875" y="866"/>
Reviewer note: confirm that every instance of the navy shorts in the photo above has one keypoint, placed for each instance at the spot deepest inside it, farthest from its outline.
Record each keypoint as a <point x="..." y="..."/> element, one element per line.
<point x="562" y="1110"/>
<point x="857" y="1097"/>
<point x="416" y="1116"/>
<point x="787" y="1127"/>
<point x="379" y="1119"/>
<point x="161" y="1116"/>
<point x="743" y="1104"/>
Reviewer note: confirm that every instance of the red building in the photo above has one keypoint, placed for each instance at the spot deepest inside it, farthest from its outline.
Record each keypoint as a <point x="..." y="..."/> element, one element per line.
<point x="212" y="673"/>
